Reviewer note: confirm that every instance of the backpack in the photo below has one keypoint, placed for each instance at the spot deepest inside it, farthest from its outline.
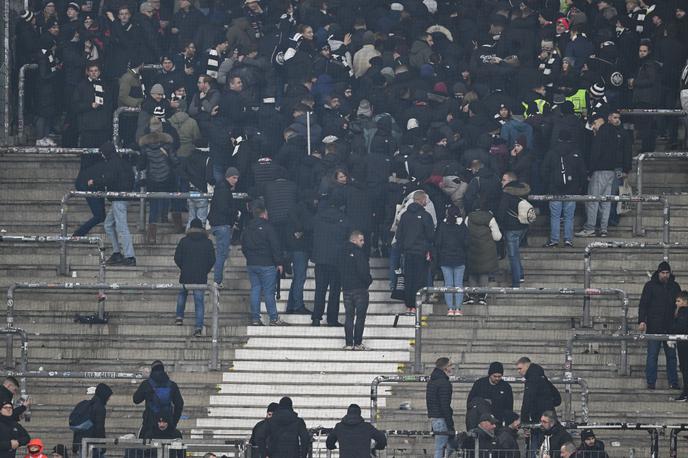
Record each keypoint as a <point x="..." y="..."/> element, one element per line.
<point x="526" y="212"/>
<point x="162" y="397"/>
<point x="556" y="396"/>
<point x="80" y="418"/>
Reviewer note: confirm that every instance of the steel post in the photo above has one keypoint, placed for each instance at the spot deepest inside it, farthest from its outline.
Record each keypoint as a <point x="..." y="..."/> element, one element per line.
<point x="666" y="235"/>
<point x="115" y="121"/>
<point x="21" y="105"/>
<point x="373" y="398"/>
<point x="308" y="131"/>
<point x="215" y="346"/>
<point x="638" y="230"/>
<point x="62" y="269"/>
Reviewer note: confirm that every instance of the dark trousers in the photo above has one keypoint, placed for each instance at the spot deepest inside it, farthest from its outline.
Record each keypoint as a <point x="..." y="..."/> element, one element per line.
<point x="97" y="207"/>
<point x="326" y="275"/>
<point x="682" y="349"/>
<point x="355" y="306"/>
<point x="415" y="276"/>
<point x="93" y="138"/>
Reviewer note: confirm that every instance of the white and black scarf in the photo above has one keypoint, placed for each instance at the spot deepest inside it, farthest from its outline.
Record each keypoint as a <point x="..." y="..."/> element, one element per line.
<point x="638" y="15"/>
<point x="98" y="92"/>
<point x="546" y="66"/>
<point x="53" y="62"/>
<point x="213" y="65"/>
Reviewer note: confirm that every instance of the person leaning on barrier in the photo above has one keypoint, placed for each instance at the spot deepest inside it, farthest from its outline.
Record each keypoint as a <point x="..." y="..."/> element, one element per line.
<point x="286" y="435"/>
<point x="484" y="435"/>
<point x="354" y="434"/>
<point x="163" y="429"/>
<point x="507" y="436"/>
<point x="495" y="389"/>
<point x="257" y="440"/>
<point x="555" y="435"/>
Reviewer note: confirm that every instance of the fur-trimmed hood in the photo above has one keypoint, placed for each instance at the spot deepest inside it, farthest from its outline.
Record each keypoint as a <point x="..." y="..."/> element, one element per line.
<point x="155" y="138"/>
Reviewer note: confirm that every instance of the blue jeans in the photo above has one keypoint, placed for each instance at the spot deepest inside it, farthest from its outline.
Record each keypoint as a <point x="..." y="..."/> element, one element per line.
<point x="198" y="302"/>
<point x="556" y="208"/>
<point x="439" y="425"/>
<point x="453" y="276"/>
<point x="513" y="242"/>
<point x="300" y="267"/>
<point x="97" y="206"/>
<point x="653" y="347"/>
<point x="600" y="185"/>
<point x="198" y="208"/>
<point x="223" y="237"/>
<point x="158" y="208"/>
<point x="263" y="280"/>
<point x="219" y="173"/>
<point x="117" y="229"/>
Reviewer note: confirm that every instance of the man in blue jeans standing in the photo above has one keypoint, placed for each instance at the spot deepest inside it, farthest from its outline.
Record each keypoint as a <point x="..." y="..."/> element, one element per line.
<point x="195" y="257"/>
<point x="222" y="217"/>
<point x="261" y="248"/>
<point x="513" y="191"/>
<point x="656" y="316"/>
<point x="438" y="396"/>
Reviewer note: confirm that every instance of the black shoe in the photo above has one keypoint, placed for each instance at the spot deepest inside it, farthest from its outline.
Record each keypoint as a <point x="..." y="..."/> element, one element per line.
<point x="315" y="323"/>
<point x="682" y="398"/>
<point x="568" y="243"/>
<point x="301" y="311"/>
<point x="198" y="332"/>
<point x="335" y="325"/>
<point x="550" y="244"/>
<point x="115" y="260"/>
<point x="129" y="262"/>
<point x="257" y="323"/>
<point x="650" y="386"/>
<point x="675" y="387"/>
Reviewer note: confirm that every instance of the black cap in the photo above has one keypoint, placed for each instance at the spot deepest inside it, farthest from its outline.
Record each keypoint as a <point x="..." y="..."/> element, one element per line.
<point x="196" y="224"/>
<point x="285" y="402"/>
<point x="61" y="450"/>
<point x="587" y="433"/>
<point x="488" y="417"/>
<point x="496" y="368"/>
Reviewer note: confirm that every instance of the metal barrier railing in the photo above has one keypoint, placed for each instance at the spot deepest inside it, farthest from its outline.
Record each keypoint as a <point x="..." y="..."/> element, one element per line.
<point x="161" y="448"/>
<point x="115" y="121"/>
<point x="10" y="332"/>
<point x="52" y="150"/>
<point x="624" y="339"/>
<point x="641" y="158"/>
<point x="567" y="381"/>
<point x="129" y="195"/>
<point x="21" y="89"/>
<point x="212" y="287"/>
<point x="652" y="111"/>
<point x="587" y="256"/>
<point x="586" y="322"/>
<point x="637" y="228"/>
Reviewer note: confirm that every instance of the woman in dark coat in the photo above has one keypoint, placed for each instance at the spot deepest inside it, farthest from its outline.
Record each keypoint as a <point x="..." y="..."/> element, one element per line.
<point x="483" y="232"/>
<point x="12" y="435"/>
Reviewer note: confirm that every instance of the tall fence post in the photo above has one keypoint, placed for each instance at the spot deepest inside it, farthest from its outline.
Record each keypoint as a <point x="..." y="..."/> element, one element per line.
<point x="308" y="131"/>
<point x="215" y="346"/>
<point x="62" y="269"/>
<point x="638" y="230"/>
<point x="21" y="104"/>
<point x="666" y="234"/>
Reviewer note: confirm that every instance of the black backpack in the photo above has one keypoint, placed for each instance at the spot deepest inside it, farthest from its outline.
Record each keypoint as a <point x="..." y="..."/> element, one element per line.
<point x="556" y="396"/>
<point x="80" y="418"/>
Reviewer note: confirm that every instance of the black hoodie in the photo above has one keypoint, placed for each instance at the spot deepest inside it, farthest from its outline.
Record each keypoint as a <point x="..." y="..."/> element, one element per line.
<point x="538" y="396"/>
<point x="195" y="257"/>
<point x="98" y="414"/>
<point x="11" y="430"/>
<point x="354" y="435"/>
<point x="146" y="392"/>
<point x="355" y="268"/>
<point x="286" y="435"/>
<point x="657" y="304"/>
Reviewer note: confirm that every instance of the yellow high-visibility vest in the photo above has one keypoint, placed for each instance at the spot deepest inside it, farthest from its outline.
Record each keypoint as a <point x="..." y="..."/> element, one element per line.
<point x="578" y="101"/>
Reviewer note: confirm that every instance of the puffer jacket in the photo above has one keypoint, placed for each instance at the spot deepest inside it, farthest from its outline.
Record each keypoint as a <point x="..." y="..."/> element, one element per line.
<point x="155" y="157"/>
<point x="188" y="131"/>
<point x="450" y="244"/>
<point x="482" y="235"/>
<point x="438" y="396"/>
<point x="286" y="435"/>
<point x="507" y="214"/>
<point x="353" y="435"/>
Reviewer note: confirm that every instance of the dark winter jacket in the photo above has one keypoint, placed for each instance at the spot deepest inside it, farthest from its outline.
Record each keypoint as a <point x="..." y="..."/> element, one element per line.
<point x="330" y="233"/>
<point x="11" y="430"/>
<point x="507" y="214"/>
<point x="487" y="443"/>
<point x="484" y="184"/>
<point x="223" y="208"/>
<point x="358" y="207"/>
<point x="657" y="304"/>
<point x="280" y="198"/>
<point x="258" y="437"/>
<point x="500" y="394"/>
<point x="451" y="244"/>
<point x="355" y="268"/>
<point x="563" y="170"/>
<point x="537" y="396"/>
<point x="115" y="174"/>
<point x="299" y="228"/>
<point x="416" y="230"/>
<point x="194" y="169"/>
<point x="521" y="165"/>
<point x="89" y="118"/>
<point x="146" y="392"/>
<point x="260" y="244"/>
<point x="353" y="435"/>
<point x="680" y="325"/>
<point x="157" y="158"/>
<point x="647" y="85"/>
<point x="596" y="451"/>
<point x="286" y="435"/>
<point x="556" y="437"/>
<point x="438" y="396"/>
<point x="607" y="149"/>
<point x="482" y="251"/>
<point x="507" y="443"/>
<point x="195" y="256"/>
<point x="97" y="416"/>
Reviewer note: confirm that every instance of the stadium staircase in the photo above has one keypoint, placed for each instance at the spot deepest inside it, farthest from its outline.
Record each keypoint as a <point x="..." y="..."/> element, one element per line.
<point x="261" y="364"/>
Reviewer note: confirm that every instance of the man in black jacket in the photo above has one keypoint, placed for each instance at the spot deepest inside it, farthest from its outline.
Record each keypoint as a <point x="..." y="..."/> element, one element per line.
<point x="116" y="175"/>
<point x="257" y="440"/>
<point x="656" y="316"/>
<point x="8" y="390"/>
<point x="286" y="435"/>
<point x="415" y="236"/>
<point x="356" y="279"/>
<point x="438" y="396"/>
<point x="330" y="228"/>
<point x="97" y="416"/>
<point x="507" y="436"/>
<point x="161" y="395"/>
<point x="495" y="389"/>
<point x="263" y="254"/>
<point x="514" y="231"/>
<point x="354" y="435"/>
<point x="93" y="103"/>
<point x="555" y="435"/>
<point x="299" y="244"/>
<point x="538" y="396"/>
<point x="195" y="256"/>
<point x="222" y="218"/>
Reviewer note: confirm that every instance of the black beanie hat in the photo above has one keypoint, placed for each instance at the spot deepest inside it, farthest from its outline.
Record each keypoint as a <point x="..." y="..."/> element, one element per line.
<point x="354" y="409"/>
<point x="587" y="433"/>
<point x="664" y="267"/>
<point x="196" y="224"/>
<point x="272" y="407"/>
<point x="495" y="368"/>
<point x="510" y="417"/>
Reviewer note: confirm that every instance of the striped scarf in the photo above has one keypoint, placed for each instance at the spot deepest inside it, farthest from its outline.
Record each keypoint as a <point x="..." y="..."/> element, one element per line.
<point x="213" y="65"/>
<point x="546" y="66"/>
<point x="52" y="60"/>
<point x="98" y="92"/>
<point x="638" y="15"/>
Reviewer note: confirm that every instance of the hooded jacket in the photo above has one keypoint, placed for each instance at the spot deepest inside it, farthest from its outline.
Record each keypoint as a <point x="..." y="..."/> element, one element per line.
<point x="450" y="244"/>
<point x="483" y="232"/>
<point x="507" y="443"/>
<point x="507" y="214"/>
<point x="156" y="157"/>
<point x="563" y="170"/>
<point x="438" y="396"/>
<point x="188" y="131"/>
<point x="537" y="396"/>
<point x="596" y="451"/>
<point x="146" y="392"/>
<point x="195" y="257"/>
<point x="286" y="435"/>
<point x="500" y="394"/>
<point x="353" y="435"/>
<point x="658" y="304"/>
<point x="36" y="443"/>
<point x="11" y="430"/>
<point x="416" y="230"/>
<point x="98" y="414"/>
<point x="223" y="208"/>
<point x="554" y="438"/>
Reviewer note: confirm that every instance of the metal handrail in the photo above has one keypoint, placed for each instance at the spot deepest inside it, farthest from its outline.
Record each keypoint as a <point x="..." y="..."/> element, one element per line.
<point x="20" y="103"/>
<point x="652" y="111"/>
<point x="9" y="352"/>
<point x="115" y="121"/>
<point x="568" y="381"/>
<point x="641" y="158"/>
<point x="52" y="150"/>
<point x="212" y="287"/>
<point x="123" y="195"/>
<point x="587" y="320"/>
<point x="624" y="339"/>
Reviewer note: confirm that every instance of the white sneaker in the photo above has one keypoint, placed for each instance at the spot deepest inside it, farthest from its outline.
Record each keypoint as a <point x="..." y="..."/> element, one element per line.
<point x="41" y="142"/>
<point x="50" y="142"/>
